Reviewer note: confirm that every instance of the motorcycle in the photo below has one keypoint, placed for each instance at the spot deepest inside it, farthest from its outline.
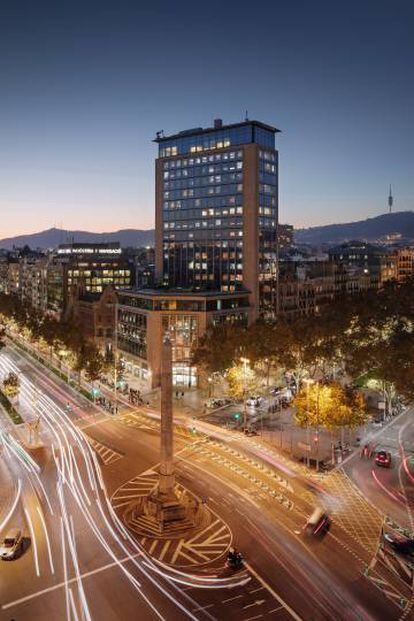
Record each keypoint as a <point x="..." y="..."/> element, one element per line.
<point x="234" y="560"/>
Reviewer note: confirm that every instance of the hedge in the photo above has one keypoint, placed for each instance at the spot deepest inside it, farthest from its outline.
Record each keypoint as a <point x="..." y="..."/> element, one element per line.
<point x="10" y="409"/>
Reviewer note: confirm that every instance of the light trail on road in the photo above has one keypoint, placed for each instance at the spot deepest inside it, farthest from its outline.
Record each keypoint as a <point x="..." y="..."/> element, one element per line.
<point x="13" y="506"/>
<point x="49" y="549"/>
<point x="72" y="455"/>
<point x="34" y="543"/>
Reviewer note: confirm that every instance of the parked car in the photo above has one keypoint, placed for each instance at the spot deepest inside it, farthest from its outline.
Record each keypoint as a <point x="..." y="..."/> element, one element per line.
<point x="254" y="402"/>
<point x="282" y="393"/>
<point x="401" y="544"/>
<point x="383" y="459"/>
<point x="216" y="402"/>
<point x="250" y="431"/>
<point x="11" y="544"/>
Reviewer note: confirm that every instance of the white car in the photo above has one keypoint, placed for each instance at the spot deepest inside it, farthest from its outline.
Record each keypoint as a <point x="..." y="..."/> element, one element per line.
<point x="11" y="544"/>
<point x="254" y="402"/>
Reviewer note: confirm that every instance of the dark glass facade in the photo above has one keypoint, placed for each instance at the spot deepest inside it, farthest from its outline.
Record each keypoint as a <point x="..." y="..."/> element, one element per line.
<point x="203" y="221"/>
<point x="268" y="221"/>
<point x="204" y="189"/>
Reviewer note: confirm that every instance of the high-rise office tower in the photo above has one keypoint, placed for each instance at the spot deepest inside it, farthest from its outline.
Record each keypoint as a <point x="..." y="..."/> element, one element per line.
<point x="217" y="211"/>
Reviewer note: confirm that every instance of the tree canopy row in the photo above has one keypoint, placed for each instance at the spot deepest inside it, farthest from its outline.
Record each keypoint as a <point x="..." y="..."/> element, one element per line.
<point x="370" y="335"/>
<point x="64" y="338"/>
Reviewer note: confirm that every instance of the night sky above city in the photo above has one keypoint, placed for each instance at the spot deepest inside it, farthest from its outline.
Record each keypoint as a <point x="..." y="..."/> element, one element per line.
<point x="85" y="86"/>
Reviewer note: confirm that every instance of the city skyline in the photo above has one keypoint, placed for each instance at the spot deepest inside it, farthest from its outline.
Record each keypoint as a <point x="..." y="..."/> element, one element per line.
<point x="87" y="89"/>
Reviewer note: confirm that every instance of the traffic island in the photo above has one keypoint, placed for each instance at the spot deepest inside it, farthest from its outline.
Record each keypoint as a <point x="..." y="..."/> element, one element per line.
<point x="201" y="539"/>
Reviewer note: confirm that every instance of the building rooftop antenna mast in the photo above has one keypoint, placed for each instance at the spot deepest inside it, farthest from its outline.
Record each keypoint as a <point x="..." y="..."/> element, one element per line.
<point x="390" y="200"/>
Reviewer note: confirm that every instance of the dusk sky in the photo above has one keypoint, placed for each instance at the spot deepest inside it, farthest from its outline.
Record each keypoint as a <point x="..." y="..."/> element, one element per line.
<point x="85" y="86"/>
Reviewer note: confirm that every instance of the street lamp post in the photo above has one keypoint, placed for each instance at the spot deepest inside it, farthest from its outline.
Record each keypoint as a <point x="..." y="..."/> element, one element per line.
<point x="308" y="381"/>
<point x="115" y="356"/>
<point x="245" y="362"/>
<point x="62" y="356"/>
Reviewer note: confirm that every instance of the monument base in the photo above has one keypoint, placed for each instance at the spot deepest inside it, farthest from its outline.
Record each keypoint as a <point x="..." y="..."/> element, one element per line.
<point x="165" y="509"/>
<point x="162" y="515"/>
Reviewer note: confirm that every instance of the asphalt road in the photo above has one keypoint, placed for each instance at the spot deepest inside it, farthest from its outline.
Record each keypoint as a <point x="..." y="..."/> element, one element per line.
<point x="79" y="565"/>
<point x="93" y="574"/>
<point x="390" y="489"/>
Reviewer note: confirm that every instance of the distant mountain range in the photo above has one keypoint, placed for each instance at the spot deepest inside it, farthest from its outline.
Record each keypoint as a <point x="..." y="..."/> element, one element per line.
<point x="401" y="222"/>
<point x="369" y="230"/>
<point x="53" y="237"/>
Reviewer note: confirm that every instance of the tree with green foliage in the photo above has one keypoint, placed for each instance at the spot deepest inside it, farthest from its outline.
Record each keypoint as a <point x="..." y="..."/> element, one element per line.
<point x="242" y="381"/>
<point x="218" y="348"/>
<point x="11" y="385"/>
<point x="329" y="405"/>
<point x="95" y="364"/>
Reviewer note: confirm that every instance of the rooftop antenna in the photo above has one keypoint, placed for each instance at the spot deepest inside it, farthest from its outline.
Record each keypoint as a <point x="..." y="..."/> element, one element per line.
<point x="246" y="118"/>
<point x="390" y="200"/>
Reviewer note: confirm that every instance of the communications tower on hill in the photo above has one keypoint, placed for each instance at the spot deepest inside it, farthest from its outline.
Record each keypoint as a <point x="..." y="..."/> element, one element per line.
<point x="390" y="200"/>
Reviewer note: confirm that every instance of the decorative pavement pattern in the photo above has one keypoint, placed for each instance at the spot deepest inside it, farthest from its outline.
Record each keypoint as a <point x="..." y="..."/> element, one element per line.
<point x="106" y="454"/>
<point x="197" y="548"/>
<point x="351" y="511"/>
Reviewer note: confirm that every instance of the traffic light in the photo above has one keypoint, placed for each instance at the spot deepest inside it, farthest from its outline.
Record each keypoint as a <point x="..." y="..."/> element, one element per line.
<point x="237" y="415"/>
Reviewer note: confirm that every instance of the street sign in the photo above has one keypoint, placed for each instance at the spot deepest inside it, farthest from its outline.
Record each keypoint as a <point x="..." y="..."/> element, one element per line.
<point x="381" y="405"/>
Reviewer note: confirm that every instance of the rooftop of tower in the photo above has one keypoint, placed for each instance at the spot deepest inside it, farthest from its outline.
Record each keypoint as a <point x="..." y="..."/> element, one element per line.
<point x="218" y="126"/>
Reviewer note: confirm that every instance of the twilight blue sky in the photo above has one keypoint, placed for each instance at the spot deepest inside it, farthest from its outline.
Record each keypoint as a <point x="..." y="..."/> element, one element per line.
<point x="84" y="86"/>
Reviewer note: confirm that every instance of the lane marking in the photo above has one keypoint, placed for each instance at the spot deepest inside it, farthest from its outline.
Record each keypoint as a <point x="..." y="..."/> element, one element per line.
<point x="49" y="549"/>
<point x="267" y="586"/>
<point x="65" y="568"/>
<point x="258" y="602"/>
<point x="26" y="598"/>
<point x="203" y="607"/>
<point x="231" y="599"/>
<point x="31" y="529"/>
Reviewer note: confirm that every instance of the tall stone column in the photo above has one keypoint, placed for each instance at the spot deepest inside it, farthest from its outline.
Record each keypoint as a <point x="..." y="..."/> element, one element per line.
<point x="166" y="509"/>
<point x="166" y="471"/>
